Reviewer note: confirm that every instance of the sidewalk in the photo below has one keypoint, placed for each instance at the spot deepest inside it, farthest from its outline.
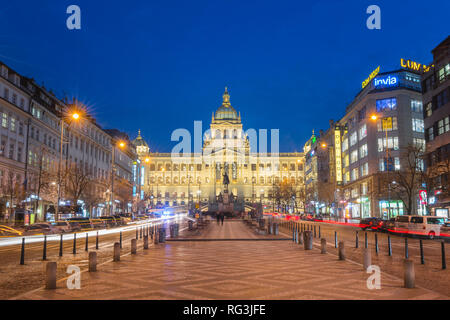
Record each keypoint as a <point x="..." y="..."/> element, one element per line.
<point x="231" y="270"/>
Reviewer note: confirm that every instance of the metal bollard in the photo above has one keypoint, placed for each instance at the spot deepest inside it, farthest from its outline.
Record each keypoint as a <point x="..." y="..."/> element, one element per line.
<point x="323" y="246"/>
<point x="22" y="252"/>
<point x="140" y="233"/>
<point x="61" y="245"/>
<point x="96" y="241"/>
<point x="308" y="238"/>
<point x="367" y="259"/>
<point x="335" y="239"/>
<point x="422" y="258"/>
<point x="50" y="275"/>
<point x="406" y="249"/>
<point x="409" y="274"/>
<point x="116" y="252"/>
<point x="319" y="232"/>
<point x="341" y="250"/>
<point x="356" y="240"/>
<point x="133" y="246"/>
<point x="146" y="242"/>
<point x="92" y="261"/>
<point x="376" y="243"/>
<point x="120" y="239"/>
<point x="389" y="246"/>
<point x="86" y="247"/>
<point x="156" y="236"/>
<point x="444" y="264"/>
<point x="44" y="250"/>
<point x="74" y="251"/>
<point x="366" y="243"/>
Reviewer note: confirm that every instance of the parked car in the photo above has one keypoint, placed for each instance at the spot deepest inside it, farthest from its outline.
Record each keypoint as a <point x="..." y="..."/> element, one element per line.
<point x="110" y="221"/>
<point x="428" y="226"/>
<point x="75" y="226"/>
<point x="384" y="225"/>
<point x="98" y="223"/>
<point x="369" y="223"/>
<point x="40" y="228"/>
<point x="62" y="226"/>
<point x="84" y="223"/>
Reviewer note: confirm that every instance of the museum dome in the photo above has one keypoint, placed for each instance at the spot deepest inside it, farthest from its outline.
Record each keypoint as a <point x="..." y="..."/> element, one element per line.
<point x="139" y="142"/>
<point x="226" y="111"/>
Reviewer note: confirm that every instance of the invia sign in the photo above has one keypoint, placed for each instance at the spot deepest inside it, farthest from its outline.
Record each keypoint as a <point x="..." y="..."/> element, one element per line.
<point x="386" y="81"/>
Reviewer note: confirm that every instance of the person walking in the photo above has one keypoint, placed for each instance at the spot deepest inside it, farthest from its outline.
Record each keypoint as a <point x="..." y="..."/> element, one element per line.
<point x="222" y="217"/>
<point x="218" y="217"/>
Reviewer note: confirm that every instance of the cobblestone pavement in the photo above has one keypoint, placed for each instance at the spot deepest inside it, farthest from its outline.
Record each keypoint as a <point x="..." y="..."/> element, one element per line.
<point x="429" y="275"/>
<point x="268" y="269"/>
<point x="31" y="274"/>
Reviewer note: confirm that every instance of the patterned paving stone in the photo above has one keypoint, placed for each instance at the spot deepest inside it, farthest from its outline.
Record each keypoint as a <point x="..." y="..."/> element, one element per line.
<point x="231" y="270"/>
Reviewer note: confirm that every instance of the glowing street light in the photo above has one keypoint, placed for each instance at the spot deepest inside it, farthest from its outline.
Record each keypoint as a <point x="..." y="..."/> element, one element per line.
<point x="121" y="145"/>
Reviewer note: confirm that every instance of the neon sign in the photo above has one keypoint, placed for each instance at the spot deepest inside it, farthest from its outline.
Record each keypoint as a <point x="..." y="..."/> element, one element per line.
<point x="387" y="81"/>
<point x="415" y="66"/>
<point x="371" y="76"/>
<point x="337" y="150"/>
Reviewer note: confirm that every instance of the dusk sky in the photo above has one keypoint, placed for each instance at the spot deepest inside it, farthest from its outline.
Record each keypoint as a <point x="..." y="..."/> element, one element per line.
<point x="160" y="65"/>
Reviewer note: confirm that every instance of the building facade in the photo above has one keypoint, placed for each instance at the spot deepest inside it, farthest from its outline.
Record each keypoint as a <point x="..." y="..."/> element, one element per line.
<point x="197" y="177"/>
<point x="384" y="118"/>
<point x="34" y="126"/>
<point x="436" y="101"/>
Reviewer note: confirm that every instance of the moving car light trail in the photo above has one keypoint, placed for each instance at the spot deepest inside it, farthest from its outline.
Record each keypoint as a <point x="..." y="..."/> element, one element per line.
<point x="68" y="236"/>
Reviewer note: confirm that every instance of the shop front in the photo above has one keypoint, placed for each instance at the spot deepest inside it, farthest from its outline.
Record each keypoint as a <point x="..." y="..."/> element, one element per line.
<point x="391" y="209"/>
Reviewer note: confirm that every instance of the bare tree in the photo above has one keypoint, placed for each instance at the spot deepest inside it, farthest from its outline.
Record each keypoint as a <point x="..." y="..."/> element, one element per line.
<point x="406" y="182"/>
<point x="78" y="179"/>
<point x="43" y="183"/>
<point x="326" y="193"/>
<point x="14" y="192"/>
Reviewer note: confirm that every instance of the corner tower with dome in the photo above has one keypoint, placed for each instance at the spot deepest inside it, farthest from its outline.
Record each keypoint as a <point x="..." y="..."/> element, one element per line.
<point x="199" y="178"/>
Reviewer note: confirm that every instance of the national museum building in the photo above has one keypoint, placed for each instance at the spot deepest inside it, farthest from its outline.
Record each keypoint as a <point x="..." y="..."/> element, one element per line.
<point x="170" y="179"/>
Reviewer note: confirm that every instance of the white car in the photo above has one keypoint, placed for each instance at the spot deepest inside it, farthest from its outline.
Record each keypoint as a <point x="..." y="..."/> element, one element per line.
<point x="62" y="226"/>
<point x="428" y="226"/>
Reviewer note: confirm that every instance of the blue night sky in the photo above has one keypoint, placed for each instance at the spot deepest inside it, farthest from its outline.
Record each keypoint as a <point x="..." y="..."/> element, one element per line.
<point x="160" y="65"/>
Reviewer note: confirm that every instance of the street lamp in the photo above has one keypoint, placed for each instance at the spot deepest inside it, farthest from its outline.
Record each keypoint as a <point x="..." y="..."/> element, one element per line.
<point x="72" y="116"/>
<point x="121" y="145"/>
<point x="374" y="117"/>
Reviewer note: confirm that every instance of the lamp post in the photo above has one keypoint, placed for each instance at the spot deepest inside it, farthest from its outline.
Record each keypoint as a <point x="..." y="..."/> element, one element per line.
<point x="74" y="116"/>
<point x="385" y="128"/>
<point x="121" y="145"/>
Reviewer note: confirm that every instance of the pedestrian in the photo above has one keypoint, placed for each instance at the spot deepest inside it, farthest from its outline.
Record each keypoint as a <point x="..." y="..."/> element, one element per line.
<point x="222" y="217"/>
<point x="218" y="217"/>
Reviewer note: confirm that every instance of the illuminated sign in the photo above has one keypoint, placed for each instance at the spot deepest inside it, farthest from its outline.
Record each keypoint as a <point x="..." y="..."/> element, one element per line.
<point x="415" y="66"/>
<point x="423" y="196"/>
<point x="371" y="76"/>
<point x="386" y="81"/>
<point x="337" y="148"/>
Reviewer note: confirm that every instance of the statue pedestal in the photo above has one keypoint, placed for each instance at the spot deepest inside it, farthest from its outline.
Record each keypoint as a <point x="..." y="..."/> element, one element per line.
<point x="226" y="198"/>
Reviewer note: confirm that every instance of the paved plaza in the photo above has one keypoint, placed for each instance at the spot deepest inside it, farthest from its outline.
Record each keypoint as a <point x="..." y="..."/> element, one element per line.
<point x="232" y="270"/>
